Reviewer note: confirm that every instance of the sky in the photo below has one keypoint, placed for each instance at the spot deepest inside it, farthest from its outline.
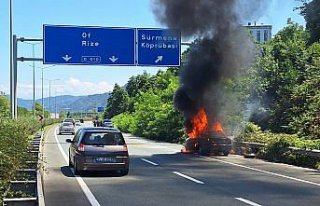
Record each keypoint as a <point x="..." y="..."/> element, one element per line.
<point x="30" y="15"/>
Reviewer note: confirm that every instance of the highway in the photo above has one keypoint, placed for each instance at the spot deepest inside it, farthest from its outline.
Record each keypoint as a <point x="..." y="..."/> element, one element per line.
<point x="161" y="175"/>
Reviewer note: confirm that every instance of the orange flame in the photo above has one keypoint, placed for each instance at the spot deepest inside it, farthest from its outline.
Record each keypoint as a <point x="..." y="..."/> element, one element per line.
<point x="200" y="125"/>
<point x="217" y="127"/>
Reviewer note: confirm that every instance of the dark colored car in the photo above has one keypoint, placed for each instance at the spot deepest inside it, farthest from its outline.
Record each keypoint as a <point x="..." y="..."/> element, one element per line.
<point x="98" y="149"/>
<point x="209" y="143"/>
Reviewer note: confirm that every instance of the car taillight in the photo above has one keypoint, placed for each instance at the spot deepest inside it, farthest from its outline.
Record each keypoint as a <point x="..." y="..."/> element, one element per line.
<point x="81" y="148"/>
<point x="125" y="147"/>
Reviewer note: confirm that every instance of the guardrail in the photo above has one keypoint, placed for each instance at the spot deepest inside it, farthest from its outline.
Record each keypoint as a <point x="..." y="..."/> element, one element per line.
<point x="242" y="147"/>
<point x="307" y="152"/>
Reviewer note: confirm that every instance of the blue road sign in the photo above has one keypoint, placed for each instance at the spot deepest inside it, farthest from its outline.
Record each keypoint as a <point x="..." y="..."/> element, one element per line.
<point x="158" y="47"/>
<point x="88" y="45"/>
<point x="100" y="109"/>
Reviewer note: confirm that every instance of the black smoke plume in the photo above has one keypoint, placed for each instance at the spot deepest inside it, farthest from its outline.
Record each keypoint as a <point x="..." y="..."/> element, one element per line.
<point x="221" y="51"/>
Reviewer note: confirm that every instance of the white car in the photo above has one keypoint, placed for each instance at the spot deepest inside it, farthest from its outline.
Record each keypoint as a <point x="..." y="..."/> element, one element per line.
<point x="78" y="123"/>
<point x="66" y="127"/>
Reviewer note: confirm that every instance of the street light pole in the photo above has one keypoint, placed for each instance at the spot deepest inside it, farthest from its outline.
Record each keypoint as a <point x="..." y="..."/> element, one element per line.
<point x="49" y="106"/>
<point x="42" y="92"/>
<point x="50" y="80"/>
<point x="55" y="104"/>
<point x="42" y="101"/>
<point x="34" y="76"/>
<point x="34" y="84"/>
<point x="11" y="60"/>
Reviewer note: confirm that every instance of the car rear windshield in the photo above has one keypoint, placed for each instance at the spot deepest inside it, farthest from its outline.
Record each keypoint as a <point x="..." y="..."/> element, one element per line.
<point x="102" y="138"/>
<point x="67" y="124"/>
<point x="68" y="120"/>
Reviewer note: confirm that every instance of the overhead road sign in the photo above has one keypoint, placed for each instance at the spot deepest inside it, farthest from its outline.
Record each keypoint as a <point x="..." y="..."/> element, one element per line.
<point x="100" y="109"/>
<point x="158" y="47"/>
<point x="86" y="45"/>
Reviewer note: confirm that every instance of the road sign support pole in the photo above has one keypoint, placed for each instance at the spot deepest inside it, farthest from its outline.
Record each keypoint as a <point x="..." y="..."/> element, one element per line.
<point x="22" y="39"/>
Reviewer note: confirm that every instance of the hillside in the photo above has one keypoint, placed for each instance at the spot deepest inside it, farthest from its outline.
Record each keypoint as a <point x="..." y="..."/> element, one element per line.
<point x="68" y="102"/>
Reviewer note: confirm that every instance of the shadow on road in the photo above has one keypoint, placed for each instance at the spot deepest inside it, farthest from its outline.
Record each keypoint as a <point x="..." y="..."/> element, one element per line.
<point x="68" y="172"/>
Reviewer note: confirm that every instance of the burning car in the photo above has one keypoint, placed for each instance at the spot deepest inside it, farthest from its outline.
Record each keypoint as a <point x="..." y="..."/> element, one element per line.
<point x="206" y="137"/>
<point x="209" y="143"/>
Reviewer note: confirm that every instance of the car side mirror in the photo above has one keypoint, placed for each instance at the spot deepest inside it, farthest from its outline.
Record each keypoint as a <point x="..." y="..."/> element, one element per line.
<point x="69" y="141"/>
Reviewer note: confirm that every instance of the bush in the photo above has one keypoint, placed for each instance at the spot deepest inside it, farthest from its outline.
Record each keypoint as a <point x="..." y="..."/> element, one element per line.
<point x="277" y="146"/>
<point x="124" y="122"/>
<point x="15" y="138"/>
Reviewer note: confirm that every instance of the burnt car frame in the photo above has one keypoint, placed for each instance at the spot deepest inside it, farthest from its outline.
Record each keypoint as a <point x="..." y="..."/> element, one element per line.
<point x="208" y="144"/>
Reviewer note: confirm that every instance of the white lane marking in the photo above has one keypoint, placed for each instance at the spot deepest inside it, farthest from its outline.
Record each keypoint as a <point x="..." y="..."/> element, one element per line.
<point x="83" y="185"/>
<point x="247" y="201"/>
<point x="189" y="178"/>
<point x="264" y="171"/>
<point x="150" y="162"/>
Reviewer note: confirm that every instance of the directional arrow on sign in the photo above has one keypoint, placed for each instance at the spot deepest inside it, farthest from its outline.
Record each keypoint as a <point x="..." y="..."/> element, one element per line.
<point x="159" y="59"/>
<point x="113" y="59"/>
<point x="66" y="58"/>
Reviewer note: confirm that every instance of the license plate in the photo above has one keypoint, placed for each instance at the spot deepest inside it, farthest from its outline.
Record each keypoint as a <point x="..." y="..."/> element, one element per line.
<point x="105" y="159"/>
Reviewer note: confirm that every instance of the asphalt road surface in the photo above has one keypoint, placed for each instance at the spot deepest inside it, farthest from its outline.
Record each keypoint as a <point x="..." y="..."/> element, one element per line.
<point x="160" y="175"/>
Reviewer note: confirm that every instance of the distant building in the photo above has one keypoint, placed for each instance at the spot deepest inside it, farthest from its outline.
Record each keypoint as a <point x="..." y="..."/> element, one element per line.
<point x="261" y="33"/>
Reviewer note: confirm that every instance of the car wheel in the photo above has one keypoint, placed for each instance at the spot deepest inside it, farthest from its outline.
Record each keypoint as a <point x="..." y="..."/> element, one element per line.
<point x="225" y="153"/>
<point x="76" y="169"/>
<point x="203" y="151"/>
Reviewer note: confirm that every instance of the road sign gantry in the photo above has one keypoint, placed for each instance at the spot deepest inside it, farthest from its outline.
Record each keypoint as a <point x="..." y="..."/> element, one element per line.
<point x="86" y="45"/>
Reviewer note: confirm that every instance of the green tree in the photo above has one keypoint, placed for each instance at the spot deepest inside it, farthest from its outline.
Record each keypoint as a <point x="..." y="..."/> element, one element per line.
<point x="117" y="102"/>
<point x="139" y="83"/>
<point x="278" y="71"/>
<point x="153" y="114"/>
<point x="307" y="97"/>
<point x="4" y="106"/>
<point x="23" y="112"/>
<point x="311" y="13"/>
<point x="39" y="110"/>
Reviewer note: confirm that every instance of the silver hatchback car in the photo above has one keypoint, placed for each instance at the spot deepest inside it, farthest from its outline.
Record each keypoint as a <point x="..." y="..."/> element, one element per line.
<point x="66" y="127"/>
<point x="98" y="149"/>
